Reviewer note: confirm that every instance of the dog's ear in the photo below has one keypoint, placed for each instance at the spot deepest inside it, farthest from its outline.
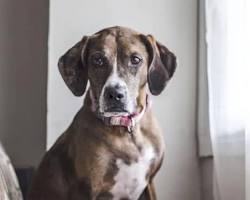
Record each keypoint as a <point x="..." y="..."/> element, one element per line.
<point x="162" y="64"/>
<point x="73" y="68"/>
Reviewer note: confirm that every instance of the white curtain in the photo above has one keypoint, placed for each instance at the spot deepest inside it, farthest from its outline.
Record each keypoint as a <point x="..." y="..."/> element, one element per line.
<point x="228" y="90"/>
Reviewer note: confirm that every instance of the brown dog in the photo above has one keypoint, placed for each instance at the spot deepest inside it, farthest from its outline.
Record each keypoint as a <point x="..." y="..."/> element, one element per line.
<point x="113" y="148"/>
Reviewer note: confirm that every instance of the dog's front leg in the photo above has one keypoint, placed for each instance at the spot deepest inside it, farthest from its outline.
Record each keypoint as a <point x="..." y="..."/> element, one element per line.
<point x="80" y="191"/>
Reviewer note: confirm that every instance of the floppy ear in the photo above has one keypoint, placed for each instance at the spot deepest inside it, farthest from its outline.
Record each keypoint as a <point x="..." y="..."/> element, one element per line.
<point x="73" y="68"/>
<point x="162" y="65"/>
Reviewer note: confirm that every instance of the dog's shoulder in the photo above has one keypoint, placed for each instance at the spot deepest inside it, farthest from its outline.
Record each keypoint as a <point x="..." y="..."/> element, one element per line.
<point x="56" y="169"/>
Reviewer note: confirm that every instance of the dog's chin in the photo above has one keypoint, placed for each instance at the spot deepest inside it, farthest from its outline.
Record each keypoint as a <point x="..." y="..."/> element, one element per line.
<point x="115" y="111"/>
<point x="112" y="114"/>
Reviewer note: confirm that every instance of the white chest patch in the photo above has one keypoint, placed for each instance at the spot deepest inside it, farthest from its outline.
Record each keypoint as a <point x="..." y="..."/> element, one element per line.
<point x="130" y="180"/>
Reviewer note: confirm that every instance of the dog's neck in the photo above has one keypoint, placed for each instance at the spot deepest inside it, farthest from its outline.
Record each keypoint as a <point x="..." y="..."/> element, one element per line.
<point x="126" y="121"/>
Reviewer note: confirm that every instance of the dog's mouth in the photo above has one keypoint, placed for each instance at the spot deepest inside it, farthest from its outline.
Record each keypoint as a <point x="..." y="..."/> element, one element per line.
<point x="109" y="109"/>
<point x="116" y="109"/>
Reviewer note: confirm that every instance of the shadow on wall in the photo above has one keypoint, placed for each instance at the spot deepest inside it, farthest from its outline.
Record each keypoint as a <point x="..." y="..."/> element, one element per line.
<point x="23" y="79"/>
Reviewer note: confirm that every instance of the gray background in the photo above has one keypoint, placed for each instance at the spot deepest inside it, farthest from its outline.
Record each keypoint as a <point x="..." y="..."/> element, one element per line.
<point x="23" y="79"/>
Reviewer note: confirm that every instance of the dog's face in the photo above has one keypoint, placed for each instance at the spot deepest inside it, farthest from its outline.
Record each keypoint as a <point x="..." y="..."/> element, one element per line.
<point x="119" y="63"/>
<point x="117" y="68"/>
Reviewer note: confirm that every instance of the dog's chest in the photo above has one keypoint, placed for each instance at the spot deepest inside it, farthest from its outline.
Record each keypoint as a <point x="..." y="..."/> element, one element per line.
<point x="130" y="180"/>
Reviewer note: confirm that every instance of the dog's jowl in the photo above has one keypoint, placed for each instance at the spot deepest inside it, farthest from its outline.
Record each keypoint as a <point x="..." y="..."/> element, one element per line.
<point x="113" y="148"/>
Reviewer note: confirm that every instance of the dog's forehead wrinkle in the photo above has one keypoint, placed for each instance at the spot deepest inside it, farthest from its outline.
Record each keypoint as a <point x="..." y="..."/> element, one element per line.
<point x="119" y="40"/>
<point x="102" y="41"/>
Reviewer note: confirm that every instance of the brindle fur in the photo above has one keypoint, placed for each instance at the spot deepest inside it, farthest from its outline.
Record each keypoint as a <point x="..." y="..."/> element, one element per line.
<point x="81" y="164"/>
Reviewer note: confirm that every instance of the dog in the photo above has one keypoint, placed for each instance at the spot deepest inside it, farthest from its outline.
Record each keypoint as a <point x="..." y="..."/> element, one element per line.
<point x="114" y="147"/>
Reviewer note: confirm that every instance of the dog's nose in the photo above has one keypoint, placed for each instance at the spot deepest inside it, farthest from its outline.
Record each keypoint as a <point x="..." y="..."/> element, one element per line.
<point x="115" y="94"/>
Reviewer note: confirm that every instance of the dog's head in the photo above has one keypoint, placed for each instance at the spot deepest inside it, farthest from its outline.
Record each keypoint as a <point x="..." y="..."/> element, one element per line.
<point x="119" y="63"/>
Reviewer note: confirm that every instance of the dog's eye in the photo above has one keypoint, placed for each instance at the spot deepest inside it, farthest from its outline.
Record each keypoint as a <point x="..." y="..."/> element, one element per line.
<point x="97" y="60"/>
<point x="135" y="60"/>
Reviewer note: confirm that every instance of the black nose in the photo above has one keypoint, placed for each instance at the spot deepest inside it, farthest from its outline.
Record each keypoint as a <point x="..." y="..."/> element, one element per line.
<point x="114" y="94"/>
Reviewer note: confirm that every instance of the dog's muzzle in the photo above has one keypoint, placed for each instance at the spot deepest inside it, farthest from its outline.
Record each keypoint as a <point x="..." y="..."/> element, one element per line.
<point x="115" y="98"/>
<point x="126" y="120"/>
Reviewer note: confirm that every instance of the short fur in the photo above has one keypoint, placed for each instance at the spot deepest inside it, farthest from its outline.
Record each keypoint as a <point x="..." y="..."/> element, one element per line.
<point x="85" y="162"/>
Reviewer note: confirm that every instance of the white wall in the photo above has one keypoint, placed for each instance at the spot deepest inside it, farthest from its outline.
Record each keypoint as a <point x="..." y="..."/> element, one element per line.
<point x="23" y="79"/>
<point x="174" y="23"/>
